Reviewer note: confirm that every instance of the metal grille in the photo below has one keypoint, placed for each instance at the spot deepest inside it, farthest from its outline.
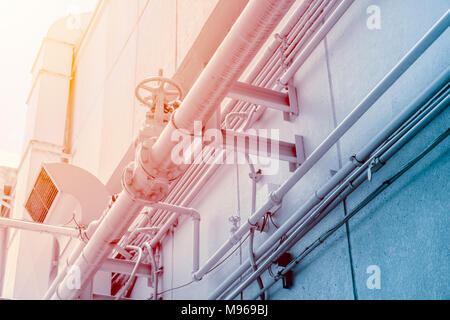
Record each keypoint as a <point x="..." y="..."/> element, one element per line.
<point x="41" y="197"/>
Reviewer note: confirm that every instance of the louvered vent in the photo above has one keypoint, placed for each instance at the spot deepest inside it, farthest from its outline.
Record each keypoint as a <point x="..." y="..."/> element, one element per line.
<point x="41" y="197"/>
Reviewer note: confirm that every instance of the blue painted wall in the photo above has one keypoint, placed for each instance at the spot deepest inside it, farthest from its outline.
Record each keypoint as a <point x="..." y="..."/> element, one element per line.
<point x="405" y="230"/>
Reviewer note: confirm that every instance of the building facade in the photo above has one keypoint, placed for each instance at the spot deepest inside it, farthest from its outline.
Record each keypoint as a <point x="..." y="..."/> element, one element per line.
<point x="377" y="231"/>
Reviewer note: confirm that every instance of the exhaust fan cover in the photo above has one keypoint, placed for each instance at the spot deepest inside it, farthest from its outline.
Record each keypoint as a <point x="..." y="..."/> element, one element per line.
<point x="41" y="197"/>
<point x="62" y="190"/>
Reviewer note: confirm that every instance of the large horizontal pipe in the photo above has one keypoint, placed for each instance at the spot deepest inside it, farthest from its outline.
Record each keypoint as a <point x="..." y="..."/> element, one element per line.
<point x="241" y="45"/>
<point x="323" y="148"/>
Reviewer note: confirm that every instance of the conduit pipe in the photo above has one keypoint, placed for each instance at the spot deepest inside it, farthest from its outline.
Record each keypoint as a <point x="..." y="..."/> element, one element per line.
<point x="247" y="36"/>
<point x="262" y="75"/>
<point x="155" y="269"/>
<point x="327" y="26"/>
<point x="300" y="12"/>
<point x="177" y="210"/>
<point x="241" y="45"/>
<point x="258" y="73"/>
<point x="133" y="272"/>
<point x="272" y="49"/>
<point x="360" y="206"/>
<point x="277" y="196"/>
<point x="351" y="183"/>
<point x="39" y="227"/>
<point x="425" y="95"/>
<point x="361" y="177"/>
<point x="91" y="256"/>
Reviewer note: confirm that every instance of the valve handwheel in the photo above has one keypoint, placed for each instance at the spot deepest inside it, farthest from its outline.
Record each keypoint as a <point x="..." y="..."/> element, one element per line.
<point x="158" y="89"/>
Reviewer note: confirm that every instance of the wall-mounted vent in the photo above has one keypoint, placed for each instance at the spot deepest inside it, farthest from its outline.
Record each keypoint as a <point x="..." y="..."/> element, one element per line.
<point x="41" y="197"/>
<point x="63" y="192"/>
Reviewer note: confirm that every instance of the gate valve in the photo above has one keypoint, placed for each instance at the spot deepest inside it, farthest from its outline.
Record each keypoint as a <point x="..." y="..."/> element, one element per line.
<point x="161" y="95"/>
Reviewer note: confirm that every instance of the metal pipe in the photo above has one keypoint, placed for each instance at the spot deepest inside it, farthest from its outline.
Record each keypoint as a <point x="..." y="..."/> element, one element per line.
<point x="119" y="217"/>
<point x="425" y="95"/>
<point x="5" y="204"/>
<point x="258" y="75"/>
<point x="38" y="227"/>
<point x="254" y="76"/>
<point x="71" y="259"/>
<point x="253" y="261"/>
<point x="190" y="212"/>
<point x="130" y="280"/>
<point x="327" y="26"/>
<point x="272" y="49"/>
<point x="155" y="269"/>
<point x="166" y="227"/>
<point x="337" y="133"/>
<point x="196" y="246"/>
<point x="358" y="181"/>
<point x="176" y="194"/>
<point x="247" y="36"/>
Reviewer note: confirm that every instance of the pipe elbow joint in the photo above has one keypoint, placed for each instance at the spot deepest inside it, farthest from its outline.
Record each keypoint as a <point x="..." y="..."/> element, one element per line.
<point x="196" y="277"/>
<point x="194" y="214"/>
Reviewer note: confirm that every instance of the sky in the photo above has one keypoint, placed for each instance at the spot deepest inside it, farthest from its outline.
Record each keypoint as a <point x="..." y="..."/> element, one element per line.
<point x="23" y="25"/>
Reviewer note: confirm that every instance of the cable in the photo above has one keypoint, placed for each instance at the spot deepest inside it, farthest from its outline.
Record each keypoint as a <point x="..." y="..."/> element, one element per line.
<point x="213" y="268"/>
<point x="363" y="203"/>
<point x="133" y="272"/>
<point x="228" y="256"/>
<point x="155" y="269"/>
<point x="176" y="288"/>
<point x="253" y="262"/>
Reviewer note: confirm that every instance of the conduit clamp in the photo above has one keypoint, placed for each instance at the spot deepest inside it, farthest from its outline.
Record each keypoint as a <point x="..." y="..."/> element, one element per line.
<point x="355" y="161"/>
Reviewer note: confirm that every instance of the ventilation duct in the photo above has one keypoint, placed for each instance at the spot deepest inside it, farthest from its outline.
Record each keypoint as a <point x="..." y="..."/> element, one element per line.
<point x="62" y="192"/>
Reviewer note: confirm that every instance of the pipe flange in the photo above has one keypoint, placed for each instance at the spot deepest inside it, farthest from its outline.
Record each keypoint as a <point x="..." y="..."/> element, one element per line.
<point x="144" y="154"/>
<point x="144" y="188"/>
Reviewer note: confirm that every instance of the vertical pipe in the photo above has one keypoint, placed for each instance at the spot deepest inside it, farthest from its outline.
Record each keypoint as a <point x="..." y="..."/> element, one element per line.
<point x="196" y="245"/>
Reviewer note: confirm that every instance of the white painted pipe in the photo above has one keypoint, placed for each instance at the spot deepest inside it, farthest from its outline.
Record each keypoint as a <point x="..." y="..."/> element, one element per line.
<point x="114" y="225"/>
<point x="347" y="123"/>
<point x="5" y="204"/>
<point x="189" y="186"/>
<point x="340" y="175"/>
<point x="384" y="156"/>
<point x="38" y="227"/>
<point x="154" y="269"/>
<point x="124" y="289"/>
<point x="328" y="25"/>
<point x="241" y="45"/>
<point x="177" y="211"/>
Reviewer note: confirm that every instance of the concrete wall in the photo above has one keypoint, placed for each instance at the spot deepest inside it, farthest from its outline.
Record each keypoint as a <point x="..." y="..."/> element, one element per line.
<point x="405" y="238"/>
<point x="107" y="116"/>
<point x="134" y="39"/>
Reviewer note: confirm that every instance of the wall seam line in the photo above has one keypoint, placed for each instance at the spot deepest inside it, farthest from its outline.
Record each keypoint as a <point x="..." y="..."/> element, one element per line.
<point x="339" y="154"/>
